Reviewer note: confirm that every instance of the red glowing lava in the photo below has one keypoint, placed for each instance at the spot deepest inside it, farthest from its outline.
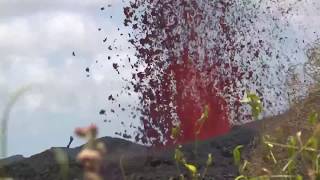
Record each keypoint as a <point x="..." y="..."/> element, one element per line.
<point x="194" y="54"/>
<point x="193" y="93"/>
<point x="185" y="68"/>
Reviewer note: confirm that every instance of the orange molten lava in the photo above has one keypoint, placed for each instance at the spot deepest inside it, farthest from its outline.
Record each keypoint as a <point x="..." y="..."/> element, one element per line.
<point x="193" y="93"/>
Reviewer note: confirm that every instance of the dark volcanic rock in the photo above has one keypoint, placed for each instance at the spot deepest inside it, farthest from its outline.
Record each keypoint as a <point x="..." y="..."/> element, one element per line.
<point x="11" y="159"/>
<point x="139" y="162"/>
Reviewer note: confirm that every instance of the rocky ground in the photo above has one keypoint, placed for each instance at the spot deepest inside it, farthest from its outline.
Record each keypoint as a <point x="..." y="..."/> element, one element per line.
<point x="138" y="162"/>
<point x="143" y="163"/>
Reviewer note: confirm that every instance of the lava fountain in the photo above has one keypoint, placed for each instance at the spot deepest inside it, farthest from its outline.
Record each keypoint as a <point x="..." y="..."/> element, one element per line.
<point x="195" y="54"/>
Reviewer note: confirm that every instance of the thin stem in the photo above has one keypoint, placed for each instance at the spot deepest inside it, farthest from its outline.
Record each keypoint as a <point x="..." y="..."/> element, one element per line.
<point x="283" y="176"/>
<point x="122" y="169"/>
<point x="292" y="158"/>
<point x="293" y="147"/>
<point x="178" y="167"/>
<point x="196" y="146"/>
<point x="317" y="163"/>
<point x="5" y="119"/>
<point x="204" y="172"/>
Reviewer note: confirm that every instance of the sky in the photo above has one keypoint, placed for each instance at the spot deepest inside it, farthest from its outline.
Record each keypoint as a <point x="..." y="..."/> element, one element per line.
<point x="37" y="38"/>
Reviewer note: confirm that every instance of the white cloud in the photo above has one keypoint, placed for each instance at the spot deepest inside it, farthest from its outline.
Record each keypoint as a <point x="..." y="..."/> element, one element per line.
<point x="42" y="34"/>
<point x="12" y="8"/>
<point x="37" y="39"/>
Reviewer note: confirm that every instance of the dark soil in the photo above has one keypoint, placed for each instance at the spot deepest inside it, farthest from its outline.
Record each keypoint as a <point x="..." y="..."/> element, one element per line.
<point x="140" y="162"/>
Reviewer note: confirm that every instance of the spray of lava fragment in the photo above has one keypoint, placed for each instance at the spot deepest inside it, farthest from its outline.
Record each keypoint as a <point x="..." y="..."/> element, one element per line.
<point x="195" y="54"/>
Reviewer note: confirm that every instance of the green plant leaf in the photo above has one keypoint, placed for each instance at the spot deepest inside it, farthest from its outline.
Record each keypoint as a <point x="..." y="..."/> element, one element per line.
<point x="270" y="145"/>
<point x="240" y="177"/>
<point x="313" y="118"/>
<point x="192" y="168"/>
<point x="181" y="177"/>
<point x="237" y="154"/>
<point x="273" y="157"/>
<point x="244" y="166"/>
<point x="317" y="165"/>
<point x="254" y="102"/>
<point x="175" y="132"/>
<point x="299" y="177"/>
<point x="245" y="99"/>
<point x="292" y="142"/>
<point x="178" y="155"/>
<point x="209" y="160"/>
<point x="202" y="119"/>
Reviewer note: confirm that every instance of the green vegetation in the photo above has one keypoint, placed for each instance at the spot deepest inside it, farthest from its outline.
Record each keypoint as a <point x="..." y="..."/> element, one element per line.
<point x="254" y="102"/>
<point x="288" y="153"/>
<point x="301" y="160"/>
<point x="179" y="155"/>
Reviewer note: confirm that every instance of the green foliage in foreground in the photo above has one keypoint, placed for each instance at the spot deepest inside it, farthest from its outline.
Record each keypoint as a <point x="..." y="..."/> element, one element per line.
<point x="254" y="102"/>
<point x="303" y="156"/>
<point x="302" y="153"/>
<point x="298" y="151"/>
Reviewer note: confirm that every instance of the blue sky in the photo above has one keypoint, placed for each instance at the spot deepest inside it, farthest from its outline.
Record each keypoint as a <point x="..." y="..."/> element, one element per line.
<point x="37" y="38"/>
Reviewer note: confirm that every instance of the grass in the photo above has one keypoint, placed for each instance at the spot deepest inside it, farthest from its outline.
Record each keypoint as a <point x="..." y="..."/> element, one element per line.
<point x="289" y="146"/>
